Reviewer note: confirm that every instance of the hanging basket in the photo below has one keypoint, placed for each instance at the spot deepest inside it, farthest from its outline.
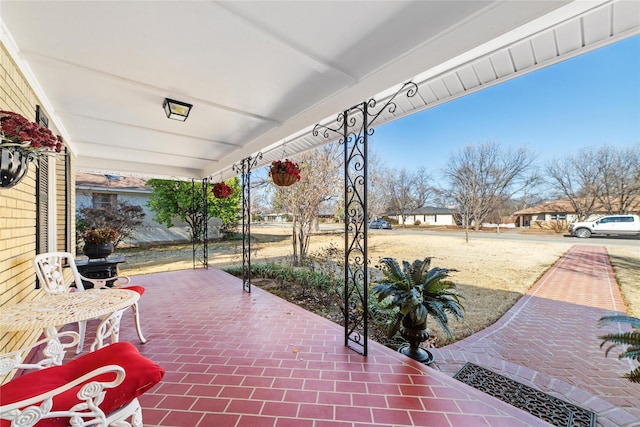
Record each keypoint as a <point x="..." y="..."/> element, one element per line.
<point x="284" y="172"/>
<point x="221" y="190"/>
<point x="283" y="179"/>
<point x="14" y="164"/>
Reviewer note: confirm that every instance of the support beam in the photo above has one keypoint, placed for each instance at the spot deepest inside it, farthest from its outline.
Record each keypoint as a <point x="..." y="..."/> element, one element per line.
<point x="244" y="169"/>
<point x="353" y="128"/>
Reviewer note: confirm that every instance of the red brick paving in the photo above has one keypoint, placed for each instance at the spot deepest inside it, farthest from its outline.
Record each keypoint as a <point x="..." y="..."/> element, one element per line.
<point x="235" y="359"/>
<point x="549" y="340"/>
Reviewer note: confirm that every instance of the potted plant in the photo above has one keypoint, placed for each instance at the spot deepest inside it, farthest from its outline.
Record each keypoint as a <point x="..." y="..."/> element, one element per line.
<point x="631" y="339"/>
<point x="413" y="293"/>
<point x="22" y="141"/>
<point x="221" y="190"/>
<point x="98" y="242"/>
<point x="284" y="173"/>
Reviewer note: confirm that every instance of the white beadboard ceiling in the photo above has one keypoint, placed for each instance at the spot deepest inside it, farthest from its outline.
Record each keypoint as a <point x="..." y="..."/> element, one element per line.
<point x="260" y="73"/>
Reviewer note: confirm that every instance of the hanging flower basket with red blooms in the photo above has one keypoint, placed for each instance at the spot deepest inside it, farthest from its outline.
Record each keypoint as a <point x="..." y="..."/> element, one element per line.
<point x="16" y="131"/>
<point x="21" y="142"/>
<point x="284" y="172"/>
<point x="221" y="190"/>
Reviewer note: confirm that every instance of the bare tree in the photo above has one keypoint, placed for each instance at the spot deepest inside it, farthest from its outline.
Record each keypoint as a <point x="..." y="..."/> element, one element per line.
<point x="606" y="178"/>
<point x="482" y="177"/>
<point x="378" y="197"/>
<point x="408" y="191"/>
<point x="319" y="183"/>
<point x="618" y="189"/>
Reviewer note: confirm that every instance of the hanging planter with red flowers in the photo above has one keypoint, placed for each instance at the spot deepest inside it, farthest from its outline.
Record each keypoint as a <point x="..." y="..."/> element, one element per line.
<point x="284" y="172"/>
<point x="221" y="190"/>
<point x="21" y="142"/>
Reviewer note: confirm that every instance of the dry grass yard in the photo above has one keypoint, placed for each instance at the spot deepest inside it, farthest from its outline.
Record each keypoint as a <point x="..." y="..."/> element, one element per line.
<point x="491" y="273"/>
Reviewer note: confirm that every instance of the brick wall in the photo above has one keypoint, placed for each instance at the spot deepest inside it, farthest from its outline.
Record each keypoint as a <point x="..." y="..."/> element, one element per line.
<point x="18" y="210"/>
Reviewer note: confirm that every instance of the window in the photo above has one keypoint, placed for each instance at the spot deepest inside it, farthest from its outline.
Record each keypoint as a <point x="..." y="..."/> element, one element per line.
<point x="104" y="200"/>
<point x="559" y="217"/>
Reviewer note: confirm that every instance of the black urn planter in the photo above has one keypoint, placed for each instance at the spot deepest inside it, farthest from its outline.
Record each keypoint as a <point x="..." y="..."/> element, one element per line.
<point x="14" y="164"/>
<point x="415" y="334"/>
<point x="97" y="250"/>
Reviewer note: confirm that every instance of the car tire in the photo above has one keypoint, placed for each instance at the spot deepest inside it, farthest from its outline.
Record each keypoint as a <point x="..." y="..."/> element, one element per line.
<point x="583" y="233"/>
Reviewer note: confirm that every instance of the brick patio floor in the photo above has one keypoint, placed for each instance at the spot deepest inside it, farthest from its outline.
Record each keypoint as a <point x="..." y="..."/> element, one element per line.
<point x="235" y="359"/>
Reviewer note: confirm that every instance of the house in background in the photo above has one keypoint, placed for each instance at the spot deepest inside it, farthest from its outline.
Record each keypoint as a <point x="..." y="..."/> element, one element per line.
<point x="427" y="216"/>
<point x="548" y="214"/>
<point x="95" y="190"/>
<point x="542" y="215"/>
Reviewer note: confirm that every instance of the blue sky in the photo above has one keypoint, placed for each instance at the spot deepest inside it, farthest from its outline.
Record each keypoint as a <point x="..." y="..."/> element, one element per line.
<point x="587" y="101"/>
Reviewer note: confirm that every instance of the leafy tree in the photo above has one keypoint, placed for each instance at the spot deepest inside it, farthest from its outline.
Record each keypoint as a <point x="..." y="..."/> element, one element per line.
<point x="123" y="217"/>
<point x="483" y="177"/>
<point x="183" y="199"/>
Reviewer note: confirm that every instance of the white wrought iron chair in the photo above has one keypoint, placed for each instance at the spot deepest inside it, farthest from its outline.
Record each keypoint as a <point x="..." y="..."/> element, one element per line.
<point x="98" y="388"/>
<point x="58" y="273"/>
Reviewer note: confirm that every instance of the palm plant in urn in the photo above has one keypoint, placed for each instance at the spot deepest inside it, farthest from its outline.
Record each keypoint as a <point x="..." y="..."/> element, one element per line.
<point x="412" y="293"/>
<point x="98" y="242"/>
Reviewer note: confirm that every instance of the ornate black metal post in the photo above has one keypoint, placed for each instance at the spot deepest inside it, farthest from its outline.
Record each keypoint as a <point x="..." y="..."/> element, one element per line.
<point x="200" y="208"/>
<point x="353" y="130"/>
<point x="244" y="169"/>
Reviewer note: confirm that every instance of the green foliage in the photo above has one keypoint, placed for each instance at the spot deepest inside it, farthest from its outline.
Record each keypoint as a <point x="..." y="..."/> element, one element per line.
<point x="123" y="218"/>
<point x="415" y="291"/>
<point x="284" y="273"/>
<point x="183" y="199"/>
<point x="630" y="339"/>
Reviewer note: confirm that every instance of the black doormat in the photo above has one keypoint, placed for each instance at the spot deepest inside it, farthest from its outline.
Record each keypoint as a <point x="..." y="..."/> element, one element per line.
<point x="551" y="409"/>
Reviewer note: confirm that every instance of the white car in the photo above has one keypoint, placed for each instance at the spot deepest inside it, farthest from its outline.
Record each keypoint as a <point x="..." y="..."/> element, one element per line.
<point x="610" y="224"/>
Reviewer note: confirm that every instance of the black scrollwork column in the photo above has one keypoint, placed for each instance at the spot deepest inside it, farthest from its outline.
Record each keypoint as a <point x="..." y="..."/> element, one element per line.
<point x="244" y="169"/>
<point x="200" y="208"/>
<point x="353" y="129"/>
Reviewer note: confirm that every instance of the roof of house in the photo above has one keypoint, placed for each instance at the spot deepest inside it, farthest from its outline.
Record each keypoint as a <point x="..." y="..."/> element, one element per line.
<point x="565" y="206"/>
<point x="90" y="181"/>
<point x="553" y="206"/>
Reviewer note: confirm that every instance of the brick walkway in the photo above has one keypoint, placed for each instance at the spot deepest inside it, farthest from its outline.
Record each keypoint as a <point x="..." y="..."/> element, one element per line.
<point x="549" y="340"/>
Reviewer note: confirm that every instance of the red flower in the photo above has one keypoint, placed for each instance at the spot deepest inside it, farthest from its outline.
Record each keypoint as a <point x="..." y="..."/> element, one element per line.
<point x="15" y="129"/>
<point x="221" y="190"/>
<point x="286" y="166"/>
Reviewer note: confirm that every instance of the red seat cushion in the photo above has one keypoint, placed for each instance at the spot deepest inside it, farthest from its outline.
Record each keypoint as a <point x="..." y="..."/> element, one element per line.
<point x="138" y="289"/>
<point x="141" y="375"/>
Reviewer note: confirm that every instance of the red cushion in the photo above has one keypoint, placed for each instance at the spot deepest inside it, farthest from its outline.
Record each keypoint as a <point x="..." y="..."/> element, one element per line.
<point x="138" y="289"/>
<point x="141" y="375"/>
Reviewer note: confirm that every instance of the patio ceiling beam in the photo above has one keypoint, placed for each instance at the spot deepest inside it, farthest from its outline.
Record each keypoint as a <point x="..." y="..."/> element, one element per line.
<point x="130" y="125"/>
<point x="312" y="60"/>
<point x="158" y="90"/>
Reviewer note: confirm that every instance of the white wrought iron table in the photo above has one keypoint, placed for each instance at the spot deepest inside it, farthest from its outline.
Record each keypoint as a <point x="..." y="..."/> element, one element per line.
<point x="56" y="310"/>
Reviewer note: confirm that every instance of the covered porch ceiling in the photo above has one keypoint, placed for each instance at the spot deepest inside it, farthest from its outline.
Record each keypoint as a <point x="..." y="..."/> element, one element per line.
<point x="260" y="73"/>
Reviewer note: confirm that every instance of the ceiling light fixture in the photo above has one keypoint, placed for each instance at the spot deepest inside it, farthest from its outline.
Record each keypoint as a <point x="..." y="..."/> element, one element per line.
<point x="176" y="110"/>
